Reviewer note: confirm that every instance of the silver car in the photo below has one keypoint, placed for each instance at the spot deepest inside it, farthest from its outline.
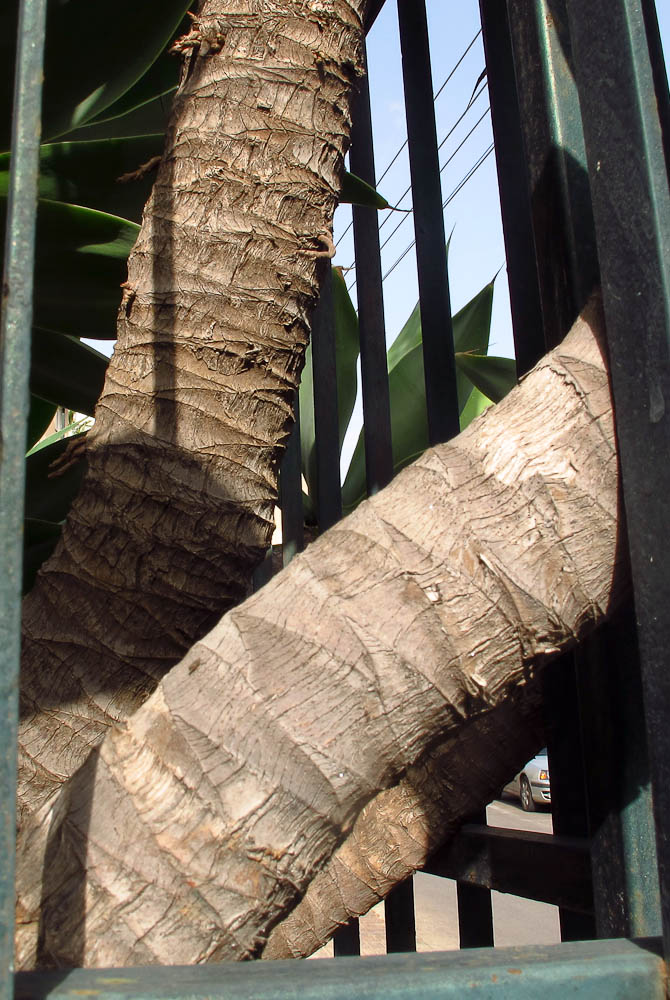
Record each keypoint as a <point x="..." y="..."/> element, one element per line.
<point x="531" y="785"/>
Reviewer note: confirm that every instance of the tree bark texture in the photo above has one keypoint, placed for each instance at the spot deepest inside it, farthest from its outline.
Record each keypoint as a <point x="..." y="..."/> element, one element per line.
<point x="397" y="831"/>
<point x="178" y="502"/>
<point x="198" y="824"/>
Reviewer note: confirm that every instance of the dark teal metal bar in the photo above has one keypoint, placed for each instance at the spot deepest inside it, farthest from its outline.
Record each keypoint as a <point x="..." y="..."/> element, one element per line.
<point x="15" y="324"/>
<point x="522" y="276"/>
<point x="374" y="374"/>
<point x="475" y="908"/>
<point x="621" y="823"/>
<point x="347" y="940"/>
<point x="631" y="203"/>
<point x="563" y="230"/>
<point x="431" y="254"/>
<point x="590" y="970"/>
<point x="615" y="814"/>
<point x="326" y="431"/>
<point x="400" y="918"/>
<point x="509" y="861"/>
<point x="290" y="493"/>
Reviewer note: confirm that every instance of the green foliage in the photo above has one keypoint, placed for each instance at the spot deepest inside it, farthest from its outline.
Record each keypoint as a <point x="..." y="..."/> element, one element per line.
<point x="356" y="191"/>
<point x="66" y="372"/>
<point x="346" y="357"/>
<point x="47" y="503"/>
<point x="103" y="75"/>
<point x="87" y="173"/>
<point x="480" y="380"/>
<point x="40" y="415"/>
<point x="108" y="81"/>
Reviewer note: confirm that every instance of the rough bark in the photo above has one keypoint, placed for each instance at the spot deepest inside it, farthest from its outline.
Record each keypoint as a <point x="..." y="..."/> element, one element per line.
<point x="400" y="828"/>
<point x="177" y="505"/>
<point x="198" y="824"/>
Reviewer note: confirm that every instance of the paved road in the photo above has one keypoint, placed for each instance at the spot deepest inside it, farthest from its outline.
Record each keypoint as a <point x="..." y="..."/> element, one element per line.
<point x="515" y="920"/>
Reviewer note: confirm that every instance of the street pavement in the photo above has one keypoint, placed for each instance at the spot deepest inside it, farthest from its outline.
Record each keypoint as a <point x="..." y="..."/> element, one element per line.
<point x="516" y="921"/>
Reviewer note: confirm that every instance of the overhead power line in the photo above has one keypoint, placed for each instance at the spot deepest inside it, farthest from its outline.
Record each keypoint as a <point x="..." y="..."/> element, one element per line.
<point x="446" y="138"/>
<point x="442" y="169"/>
<point x="435" y="97"/>
<point x="459" y="187"/>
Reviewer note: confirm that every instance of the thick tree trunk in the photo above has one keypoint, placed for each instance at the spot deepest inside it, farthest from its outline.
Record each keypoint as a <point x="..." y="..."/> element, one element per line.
<point x="198" y="824"/>
<point x="398" y="830"/>
<point x="177" y="505"/>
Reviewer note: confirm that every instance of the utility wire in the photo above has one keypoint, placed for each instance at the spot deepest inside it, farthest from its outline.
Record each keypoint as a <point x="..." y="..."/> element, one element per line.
<point x="446" y="138"/>
<point x="444" y="84"/>
<point x="442" y="169"/>
<point x="449" y="76"/>
<point x="459" y="187"/>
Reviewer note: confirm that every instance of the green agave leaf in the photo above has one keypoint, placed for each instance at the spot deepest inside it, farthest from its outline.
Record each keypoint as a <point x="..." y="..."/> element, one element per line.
<point x="80" y="261"/>
<point x="356" y="191"/>
<point x="39" y="541"/>
<point x="409" y="424"/>
<point x="9" y="11"/>
<point x="87" y="173"/>
<point x="407" y="340"/>
<point x="65" y="371"/>
<point x="347" y="343"/>
<point x="40" y="415"/>
<point x="72" y="429"/>
<point x="472" y="323"/>
<point x="95" y="52"/>
<point x="160" y="80"/>
<point x="347" y="349"/>
<point x="476" y="404"/>
<point x="492" y="376"/>
<point x="50" y="499"/>
<point x="147" y="119"/>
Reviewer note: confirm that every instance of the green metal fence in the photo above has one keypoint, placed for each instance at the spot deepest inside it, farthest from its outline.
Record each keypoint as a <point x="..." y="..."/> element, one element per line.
<point x="581" y="119"/>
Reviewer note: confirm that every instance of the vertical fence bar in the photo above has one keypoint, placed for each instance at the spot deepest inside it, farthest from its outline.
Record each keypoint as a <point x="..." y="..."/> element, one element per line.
<point x="15" y="326"/>
<point x="567" y="267"/>
<point x="566" y="768"/>
<point x="562" y="219"/>
<point x="347" y="940"/>
<point x="631" y="202"/>
<point x="400" y="918"/>
<point x="290" y="494"/>
<point x="326" y="428"/>
<point x="621" y="824"/>
<point x="474" y="904"/>
<point x="431" y="254"/>
<point x="515" y="208"/>
<point x="475" y="915"/>
<point x="374" y="374"/>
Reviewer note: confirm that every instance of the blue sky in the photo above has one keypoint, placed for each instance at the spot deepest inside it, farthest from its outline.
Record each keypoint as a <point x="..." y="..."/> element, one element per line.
<point x="477" y="250"/>
<point x="473" y="216"/>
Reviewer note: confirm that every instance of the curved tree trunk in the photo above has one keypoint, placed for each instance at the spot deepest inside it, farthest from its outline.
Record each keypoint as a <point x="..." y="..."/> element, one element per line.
<point x="177" y="505"/>
<point x="397" y="831"/>
<point x="198" y="824"/>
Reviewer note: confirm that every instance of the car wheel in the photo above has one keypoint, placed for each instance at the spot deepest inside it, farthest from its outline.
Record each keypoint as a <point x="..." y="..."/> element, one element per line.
<point x="527" y="800"/>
